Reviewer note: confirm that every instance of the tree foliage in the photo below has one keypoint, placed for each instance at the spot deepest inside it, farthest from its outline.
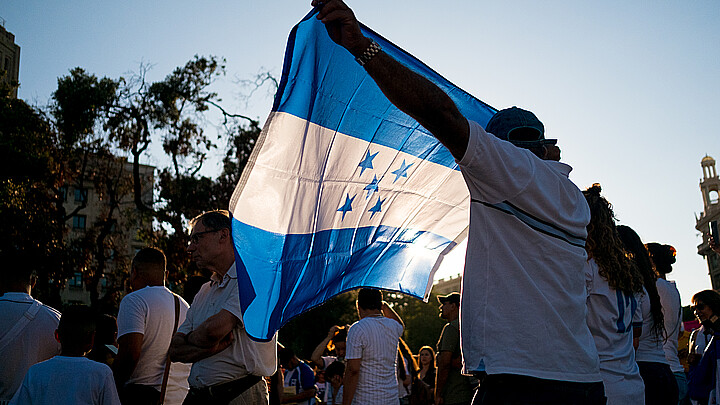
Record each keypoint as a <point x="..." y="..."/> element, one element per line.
<point x="32" y="223"/>
<point x="94" y="129"/>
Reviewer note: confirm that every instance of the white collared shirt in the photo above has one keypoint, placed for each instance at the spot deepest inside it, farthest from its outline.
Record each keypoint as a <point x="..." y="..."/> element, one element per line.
<point x="244" y="356"/>
<point x="35" y="343"/>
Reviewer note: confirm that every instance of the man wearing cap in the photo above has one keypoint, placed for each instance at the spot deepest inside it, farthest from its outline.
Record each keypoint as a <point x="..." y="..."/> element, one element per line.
<point x="451" y="387"/>
<point x="522" y="315"/>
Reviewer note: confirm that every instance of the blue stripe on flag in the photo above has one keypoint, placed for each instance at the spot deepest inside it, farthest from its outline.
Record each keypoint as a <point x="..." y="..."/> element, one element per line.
<point x="336" y="93"/>
<point x="391" y="258"/>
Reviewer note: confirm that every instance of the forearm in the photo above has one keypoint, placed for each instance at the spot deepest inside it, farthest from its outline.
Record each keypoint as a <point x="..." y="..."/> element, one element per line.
<point x="422" y="100"/>
<point x="390" y="313"/>
<point x="316" y="356"/>
<point x="310" y="393"/>
<point x="349" y="386"/>
<point x="182" y="350"/>
<point x="122" y="368"/>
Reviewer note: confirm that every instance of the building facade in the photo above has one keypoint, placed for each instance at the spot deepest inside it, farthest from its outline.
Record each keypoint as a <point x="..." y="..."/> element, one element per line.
<point x="90" y="204"/>
<point x="446" y="286"/>
<point x="9" y="57"/>
<point x="710" y="189"/>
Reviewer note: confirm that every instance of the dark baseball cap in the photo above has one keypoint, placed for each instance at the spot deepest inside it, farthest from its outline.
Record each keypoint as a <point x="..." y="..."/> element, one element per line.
<point x="453" y="297"/>
<point x="520" y="127"/>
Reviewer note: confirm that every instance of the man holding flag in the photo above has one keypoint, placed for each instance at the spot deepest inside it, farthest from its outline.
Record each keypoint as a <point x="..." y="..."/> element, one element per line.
<point x="526" y="243"/>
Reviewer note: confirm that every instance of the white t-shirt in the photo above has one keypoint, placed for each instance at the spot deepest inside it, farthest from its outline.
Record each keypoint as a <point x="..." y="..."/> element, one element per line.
<point x="151" y="312"/>
<point x="672" y="311"/>
<point x="374" y="340"/>
<point x="698" y="340"/>
<point x="524" y="266"/>
<point x="35" y="342"/>
<point x="650" y="346"/>
<point x="244" y="356"/>
<point x="67" y="380"/>
<point x="611" y="316"/>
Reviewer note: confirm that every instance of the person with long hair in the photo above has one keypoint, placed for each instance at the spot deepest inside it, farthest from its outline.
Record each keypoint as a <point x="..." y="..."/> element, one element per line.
<point x="663" y="257"/>
<point x="614" y="288"/>
<point x="660" y="383"/>
<point x="407" y="370"/>
<point x="426" y="358"/>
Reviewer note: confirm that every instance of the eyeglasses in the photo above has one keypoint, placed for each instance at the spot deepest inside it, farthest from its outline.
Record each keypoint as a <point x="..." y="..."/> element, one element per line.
<point x="195" y="238"/>
<point x="698" y="307"/>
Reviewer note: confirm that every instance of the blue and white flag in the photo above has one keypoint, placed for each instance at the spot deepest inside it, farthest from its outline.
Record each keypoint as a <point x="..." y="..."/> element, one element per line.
<point x="343" y="190"/>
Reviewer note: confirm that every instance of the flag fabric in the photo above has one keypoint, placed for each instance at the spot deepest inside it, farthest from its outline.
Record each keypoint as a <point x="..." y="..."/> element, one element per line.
<point x="343" y="190"/>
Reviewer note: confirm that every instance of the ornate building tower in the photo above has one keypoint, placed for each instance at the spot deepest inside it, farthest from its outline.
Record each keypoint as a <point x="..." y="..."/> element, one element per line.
<point x="710" y="187"/>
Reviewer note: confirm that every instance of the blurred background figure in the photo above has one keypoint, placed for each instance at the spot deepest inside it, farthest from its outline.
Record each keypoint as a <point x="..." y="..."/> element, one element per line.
<point x="105" y="345"/>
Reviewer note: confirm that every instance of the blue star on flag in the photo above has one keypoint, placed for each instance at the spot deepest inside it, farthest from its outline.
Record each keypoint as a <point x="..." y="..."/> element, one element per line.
<point x="377" y="207"/>
<point x="347" y="206"/>
<point x="372" y="187"/>
<point x="402" y="171"/>
<point x="367" y="161"/>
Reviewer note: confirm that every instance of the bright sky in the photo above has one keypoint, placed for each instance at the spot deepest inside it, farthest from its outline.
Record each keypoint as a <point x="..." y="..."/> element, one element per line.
<point x="630" y="89"/>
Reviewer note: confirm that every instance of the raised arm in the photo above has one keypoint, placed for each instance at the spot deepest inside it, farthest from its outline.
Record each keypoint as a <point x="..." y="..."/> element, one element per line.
<point x="407" y="90"/>
<point x="390" y="313"/>
<point x="316" y="356"/>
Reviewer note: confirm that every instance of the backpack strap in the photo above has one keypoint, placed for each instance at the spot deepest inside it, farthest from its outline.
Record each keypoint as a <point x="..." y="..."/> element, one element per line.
<point x="28" y="316"/>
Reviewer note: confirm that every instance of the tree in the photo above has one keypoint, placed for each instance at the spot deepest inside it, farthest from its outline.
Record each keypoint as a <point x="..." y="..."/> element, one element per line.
<point x="422" y="323"/>
<point x="32" y="223"/>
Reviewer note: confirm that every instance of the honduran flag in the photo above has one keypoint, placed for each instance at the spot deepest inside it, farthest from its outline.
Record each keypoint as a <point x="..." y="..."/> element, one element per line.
<point x="343" y="190"/>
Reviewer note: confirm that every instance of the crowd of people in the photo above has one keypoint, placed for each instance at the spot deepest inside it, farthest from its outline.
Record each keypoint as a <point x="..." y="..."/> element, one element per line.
<point x="559" y="304"/>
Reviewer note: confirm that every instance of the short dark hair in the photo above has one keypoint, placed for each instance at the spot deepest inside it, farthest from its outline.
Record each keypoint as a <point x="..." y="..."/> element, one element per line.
<point x="370" y="298"/>
<point x="150" y="258"/>
<point x="335" y="368"/>
<point x="77" y="326"/>
<point x="710" y="298"/>
<point x="213" y="220"/>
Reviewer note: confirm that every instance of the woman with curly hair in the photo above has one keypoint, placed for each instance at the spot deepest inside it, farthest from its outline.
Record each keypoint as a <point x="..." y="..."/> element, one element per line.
<point x="614" y="288"/>
<point x="660" y="384"/>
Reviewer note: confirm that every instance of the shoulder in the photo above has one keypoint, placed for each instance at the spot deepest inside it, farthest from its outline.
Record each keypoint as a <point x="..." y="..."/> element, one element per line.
<point x="50" y="311"/>
<point x="134" y="300"/>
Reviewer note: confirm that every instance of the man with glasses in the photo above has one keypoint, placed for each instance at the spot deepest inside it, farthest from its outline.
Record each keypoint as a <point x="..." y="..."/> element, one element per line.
<point x="227" y="365"/>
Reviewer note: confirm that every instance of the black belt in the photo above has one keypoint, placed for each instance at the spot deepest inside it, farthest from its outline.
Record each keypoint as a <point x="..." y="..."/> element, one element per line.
<point x="223" y="392"/>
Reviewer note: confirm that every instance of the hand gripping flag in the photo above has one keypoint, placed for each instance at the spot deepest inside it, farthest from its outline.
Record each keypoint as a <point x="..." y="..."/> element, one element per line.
<point x="343" y="190"/>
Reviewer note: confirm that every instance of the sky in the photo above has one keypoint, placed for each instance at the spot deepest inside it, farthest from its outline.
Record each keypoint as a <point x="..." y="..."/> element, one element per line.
<point x="629" y="88"/>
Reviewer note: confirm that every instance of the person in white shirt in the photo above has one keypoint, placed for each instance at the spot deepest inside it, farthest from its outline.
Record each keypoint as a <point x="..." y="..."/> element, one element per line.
<point x="372" y="346"/>
<point x="660" y="384"/>
<point x="228" y="366"/>
<point x="663" y="257"/>
<point x="27" y="327"/>
<point x="526" y="239"/>
<point x="145" y="328"/>
<point x="70" y="378"/>
<point x="615" y="287"/>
